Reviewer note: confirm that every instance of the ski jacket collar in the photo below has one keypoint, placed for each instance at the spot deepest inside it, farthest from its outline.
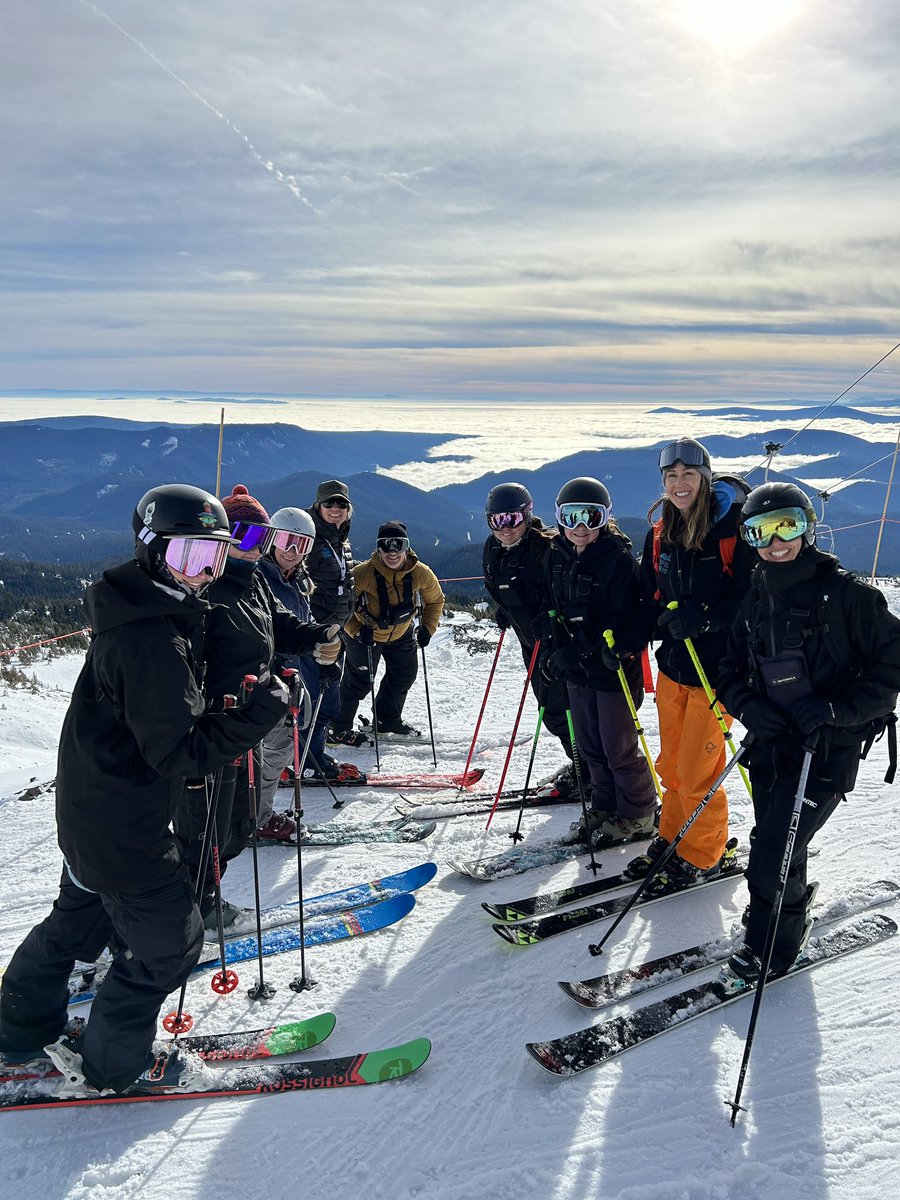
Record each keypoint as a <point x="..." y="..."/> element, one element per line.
<point x="126" y="594"/>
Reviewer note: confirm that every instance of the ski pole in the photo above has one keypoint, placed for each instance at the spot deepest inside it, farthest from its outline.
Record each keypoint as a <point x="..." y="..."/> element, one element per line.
<point x="301" y="982"/>
<point x="735" y="1104"/>
<point x="260" y="990"/>
<point x="425" y="677"/>
<point x="593" y="865"/>
<point x="713" y="702"/>
<point x="515" y="729"/>
<point x="516" y="835"/>
<point x="225" y="980"/>
<point x="481" y="713"/>
<point x="629" y="700"/>
<point x="597" y="947"/>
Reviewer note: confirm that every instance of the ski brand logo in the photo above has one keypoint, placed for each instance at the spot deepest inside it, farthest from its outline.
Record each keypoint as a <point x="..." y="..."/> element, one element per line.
<point x="148" y="513"/>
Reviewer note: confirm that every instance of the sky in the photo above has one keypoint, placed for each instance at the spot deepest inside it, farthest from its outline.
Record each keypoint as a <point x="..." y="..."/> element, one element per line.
<point x="658" y="200"/>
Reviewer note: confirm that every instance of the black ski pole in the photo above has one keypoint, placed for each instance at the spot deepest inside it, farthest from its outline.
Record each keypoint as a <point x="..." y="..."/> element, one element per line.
<point x="371" y="661"/>
<point x="260" y="990"/>
<point x="302" y="982"/>
<point x="597" y="947"/>
<point x="808" y="750"/>
<point x="425" y="677"/>
<point x="593" y="865"/>
<point x="516" y="835"/>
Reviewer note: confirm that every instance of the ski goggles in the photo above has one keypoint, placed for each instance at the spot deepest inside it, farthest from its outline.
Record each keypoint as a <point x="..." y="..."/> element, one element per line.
<point x="508" y="520"/>
<point x="594" y="516"/>
<point x="299" y="543"/>
<point x="786" y="524"/>
<point x="690" y="454"/>
<point x="393" y="545"/>
<point x="336" y="502"/>
<point x="196" y="556"/>
<point x="250" y="536"/>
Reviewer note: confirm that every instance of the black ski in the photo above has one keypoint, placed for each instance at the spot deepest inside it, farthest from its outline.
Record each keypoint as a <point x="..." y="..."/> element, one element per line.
<point x="599" y="1044"/>
<point x="530" y="932"/>
<point x="619" y="986"/>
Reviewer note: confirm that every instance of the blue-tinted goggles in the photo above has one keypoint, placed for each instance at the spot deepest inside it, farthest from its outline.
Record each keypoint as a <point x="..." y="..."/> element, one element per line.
<point x="786" y="524"/>
<point x="250" y="536"/>
<point x="594" y="516"/>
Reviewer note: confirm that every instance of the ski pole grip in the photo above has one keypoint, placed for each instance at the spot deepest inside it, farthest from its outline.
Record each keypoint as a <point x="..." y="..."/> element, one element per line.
<point x="609" y="638"/>
<point x="672" y="605"/>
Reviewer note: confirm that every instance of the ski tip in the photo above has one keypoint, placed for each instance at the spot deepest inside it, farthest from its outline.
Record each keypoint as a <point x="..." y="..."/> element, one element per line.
<point x="545" y="1054"/>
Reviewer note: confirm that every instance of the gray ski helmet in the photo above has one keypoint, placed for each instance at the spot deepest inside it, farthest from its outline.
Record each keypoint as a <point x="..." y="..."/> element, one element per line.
<point x="509" y="497"/>
<point x="769" y="497"/>
<point x="584" y="490"/>
<point x="690" y="453"/>
<point x="294" y="520"/>
<point x="175" y="510"/>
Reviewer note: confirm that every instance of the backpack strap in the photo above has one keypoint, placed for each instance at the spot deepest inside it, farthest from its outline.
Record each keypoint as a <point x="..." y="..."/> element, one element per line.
<point x="392" y="614"/>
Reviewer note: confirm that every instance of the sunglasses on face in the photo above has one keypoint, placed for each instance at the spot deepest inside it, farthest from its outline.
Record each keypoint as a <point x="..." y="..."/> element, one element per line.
<point x="786" y="524"/>
<point x="506" y="520"/>
<point x="250" y="536"/>
<point x="593" y="516"/>
<point x="196" y="556"/>
<point x="336" y="502"/>
<point x="298" y="543"/>
<point x="393" y="545"/>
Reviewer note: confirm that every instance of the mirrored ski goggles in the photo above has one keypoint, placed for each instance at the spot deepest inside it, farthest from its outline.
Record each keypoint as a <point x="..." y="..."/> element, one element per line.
<point x="690" y="454"/>
<point x="507" y="520"/>
<point x="196" y="556"/>
<point x="250" y="536"/>
<point x="787" y="524"/>
<point x="393" y="545"/>
<point x="299" y="543"/>
<point x="594" y="516"/>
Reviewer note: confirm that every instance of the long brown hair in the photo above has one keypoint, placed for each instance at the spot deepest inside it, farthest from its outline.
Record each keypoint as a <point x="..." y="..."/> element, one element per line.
<point x="689" y="529"/>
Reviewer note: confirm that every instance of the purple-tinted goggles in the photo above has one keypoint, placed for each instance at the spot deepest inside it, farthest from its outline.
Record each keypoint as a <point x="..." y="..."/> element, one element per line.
<point x="507" y="520"/>
<point x="250" y="536"/>
<point x="196" y="556"/>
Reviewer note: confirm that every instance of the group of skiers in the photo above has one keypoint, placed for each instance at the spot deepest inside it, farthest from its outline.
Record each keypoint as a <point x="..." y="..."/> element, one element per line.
<point x="753" y="621"/>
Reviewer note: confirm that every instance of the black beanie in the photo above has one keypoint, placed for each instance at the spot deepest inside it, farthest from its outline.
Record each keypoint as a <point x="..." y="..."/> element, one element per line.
<point x="392" y="529"/>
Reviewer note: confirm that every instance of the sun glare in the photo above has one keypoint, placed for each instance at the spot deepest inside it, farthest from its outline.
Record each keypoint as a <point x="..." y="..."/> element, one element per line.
<point x="736" y="25"/>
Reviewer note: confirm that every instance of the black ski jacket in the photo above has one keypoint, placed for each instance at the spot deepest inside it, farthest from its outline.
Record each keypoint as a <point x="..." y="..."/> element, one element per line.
<point x="514" y="578"/>
<point x="850" y="643"/>
<point x="594" y="591"/>
<point x="136" y="729"/>
<point x="701" y="576"/>
<point x="329" y="565"/>
<point x="245" y="628"/>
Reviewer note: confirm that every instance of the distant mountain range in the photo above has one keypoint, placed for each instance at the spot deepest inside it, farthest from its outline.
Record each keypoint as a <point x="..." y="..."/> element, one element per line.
<point x="70" y="483"/>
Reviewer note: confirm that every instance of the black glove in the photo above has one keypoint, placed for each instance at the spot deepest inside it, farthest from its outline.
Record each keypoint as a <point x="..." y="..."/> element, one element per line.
<point x="366" y="635"/>
<point x="811" y="714"/>
<point x="423" y="637"/>
<point x="564" y="664"/>
<point x="501" y="616"/>
<point x="612" y="660"/>
<point x="686" y="621"/>
<point x="763" y="720"/>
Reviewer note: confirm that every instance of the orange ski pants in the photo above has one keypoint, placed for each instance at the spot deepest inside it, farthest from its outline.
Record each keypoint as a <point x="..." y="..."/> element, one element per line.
<point x="691" y="756"/>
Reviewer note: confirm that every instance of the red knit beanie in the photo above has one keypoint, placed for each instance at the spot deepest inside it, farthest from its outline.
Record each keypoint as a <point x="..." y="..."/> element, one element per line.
<point x="241" y="506"/>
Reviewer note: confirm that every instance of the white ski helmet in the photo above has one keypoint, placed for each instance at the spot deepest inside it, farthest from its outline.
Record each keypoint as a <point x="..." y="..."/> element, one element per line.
<point x="294" y="520"/>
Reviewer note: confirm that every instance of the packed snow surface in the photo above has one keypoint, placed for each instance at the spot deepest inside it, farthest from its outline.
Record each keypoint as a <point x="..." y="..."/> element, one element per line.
<point x="481" y="1118"/>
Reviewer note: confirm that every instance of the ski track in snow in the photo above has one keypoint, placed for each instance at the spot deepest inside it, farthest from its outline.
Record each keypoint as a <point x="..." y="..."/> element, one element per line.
<point x="481" y="1118"/>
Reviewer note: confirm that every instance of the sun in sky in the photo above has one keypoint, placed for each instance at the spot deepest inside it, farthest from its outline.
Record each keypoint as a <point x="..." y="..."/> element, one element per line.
<point x="736" y="25"/>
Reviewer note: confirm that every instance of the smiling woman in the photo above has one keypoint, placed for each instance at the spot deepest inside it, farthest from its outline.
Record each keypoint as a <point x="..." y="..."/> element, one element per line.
<point x="736" y="25"/>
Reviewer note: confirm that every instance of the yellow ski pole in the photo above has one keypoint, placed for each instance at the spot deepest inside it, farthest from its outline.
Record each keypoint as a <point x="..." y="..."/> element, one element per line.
<point x="714" y="704"/>
<point x="629" y="700"/>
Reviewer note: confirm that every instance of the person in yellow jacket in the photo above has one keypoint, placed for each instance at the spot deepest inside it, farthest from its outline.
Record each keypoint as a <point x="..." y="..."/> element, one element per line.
<point x="391" y="587"/>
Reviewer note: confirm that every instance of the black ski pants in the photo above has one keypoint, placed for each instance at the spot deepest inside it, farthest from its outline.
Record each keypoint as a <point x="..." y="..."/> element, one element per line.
<point x="158" y="935"/>
<point x="773" y="801"/>
<point x="401" y="666"/>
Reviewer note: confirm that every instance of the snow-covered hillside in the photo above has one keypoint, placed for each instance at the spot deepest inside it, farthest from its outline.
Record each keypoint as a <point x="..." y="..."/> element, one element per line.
<point x="481" y="1119"/>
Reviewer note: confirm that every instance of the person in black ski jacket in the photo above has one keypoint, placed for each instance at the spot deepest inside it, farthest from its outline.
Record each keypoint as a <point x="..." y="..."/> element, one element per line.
<point x="513" y="561"/>
<point x="136" y="727"/>
<point x="591" y="583"/>
<point x="330" y="568"/>
<point x="245" y="629"/>
<point x="813" y="659"/>
<point x="692" y="555"/>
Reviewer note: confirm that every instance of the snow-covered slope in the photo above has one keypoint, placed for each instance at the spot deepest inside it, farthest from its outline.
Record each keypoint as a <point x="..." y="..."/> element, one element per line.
<point x="481" y="1119"/>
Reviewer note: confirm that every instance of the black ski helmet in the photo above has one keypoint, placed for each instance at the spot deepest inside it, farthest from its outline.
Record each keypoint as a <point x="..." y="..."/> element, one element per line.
<point x="769" y="497"/>
<point x="175" y="510"/>
<point x="690" y="453"/>
<point x="584" y="490"/>
<point x="508" y="497"/>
